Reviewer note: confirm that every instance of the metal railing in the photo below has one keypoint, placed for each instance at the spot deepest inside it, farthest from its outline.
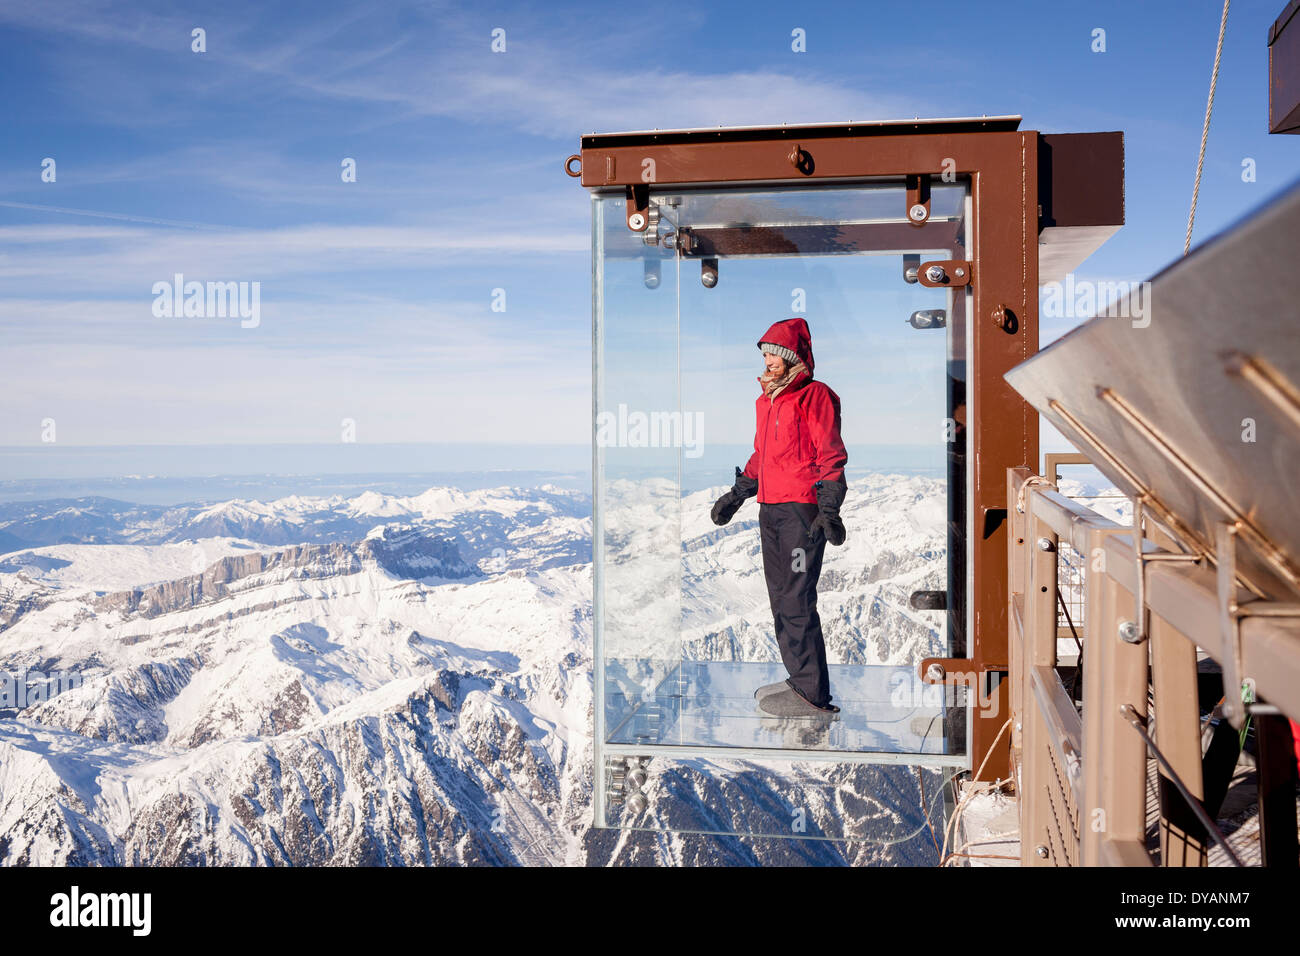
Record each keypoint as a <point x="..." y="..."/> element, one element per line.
<point x="1071" y="571"/>
<point x="1071" y="568"/>
<point x="1082" y="771"/>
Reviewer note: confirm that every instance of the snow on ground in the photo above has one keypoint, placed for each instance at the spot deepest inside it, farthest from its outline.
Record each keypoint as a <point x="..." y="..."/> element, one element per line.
<point x="118" y="567"/>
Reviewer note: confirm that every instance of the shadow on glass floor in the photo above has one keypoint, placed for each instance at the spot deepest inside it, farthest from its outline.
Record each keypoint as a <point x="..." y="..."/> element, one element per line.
<point x="884" y="708"/>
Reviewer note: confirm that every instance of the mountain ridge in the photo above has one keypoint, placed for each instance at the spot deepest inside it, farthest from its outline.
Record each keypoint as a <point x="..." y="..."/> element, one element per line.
<point x="331" y="703"/>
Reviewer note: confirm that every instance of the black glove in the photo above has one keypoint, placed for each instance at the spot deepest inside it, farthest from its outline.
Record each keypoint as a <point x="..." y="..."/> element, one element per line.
<point x="830" y="495"/>
<point x="726" y="506"/>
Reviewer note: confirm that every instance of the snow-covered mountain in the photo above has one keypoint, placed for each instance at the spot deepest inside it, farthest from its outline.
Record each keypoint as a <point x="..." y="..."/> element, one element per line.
<point x="525" y="526"/>
<point x="407" y="680"/>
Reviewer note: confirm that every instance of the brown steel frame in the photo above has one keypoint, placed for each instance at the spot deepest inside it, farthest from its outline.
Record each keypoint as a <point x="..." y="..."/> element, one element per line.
<point x="1001" y="428"/>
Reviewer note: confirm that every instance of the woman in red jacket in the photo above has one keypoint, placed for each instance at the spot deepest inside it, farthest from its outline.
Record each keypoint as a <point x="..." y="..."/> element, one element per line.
<point x="797" y="472"/>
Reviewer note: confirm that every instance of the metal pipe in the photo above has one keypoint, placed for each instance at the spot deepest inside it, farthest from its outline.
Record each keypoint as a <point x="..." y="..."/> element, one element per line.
<point x="1100" y="448"/>
<point x="1268" y="609"/>
<point x="1166" y="515"/>
<point x="1267" y="549"/>
<point x="1139" y="592"/>
<point x="1135" y="721"/>
<point x="1270" y="384"/>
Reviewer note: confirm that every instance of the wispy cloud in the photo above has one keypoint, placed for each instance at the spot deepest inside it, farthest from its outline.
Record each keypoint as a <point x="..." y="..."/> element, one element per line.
<point x="57" y="235"/>
<point x="551" y="82"/>
<point x="81" y="258"/>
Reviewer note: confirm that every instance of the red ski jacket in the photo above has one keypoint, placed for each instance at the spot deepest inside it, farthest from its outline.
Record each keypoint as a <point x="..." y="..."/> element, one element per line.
<point x="797" y="439"/>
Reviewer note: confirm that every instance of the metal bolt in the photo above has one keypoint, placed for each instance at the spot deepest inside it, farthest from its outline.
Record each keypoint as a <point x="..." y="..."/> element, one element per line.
<point x="936" y="274"/>
<point x="709" y="272"/>
<point x="928" y="319"/>
<point x="1045" y="544"/>
<point x="1130" y="633"/>
<point x="636" y="779"/>
<point x="935" y="672"/>
<point x="636" y="222"/>
<point x="1017" y="726"/>
<point x="1041" y="851"/>
<point x="918" y="213"/>
<point x="959" y="272"/>
<point x="909" y="274"/>
<point x="636" y="803"/>
<point x="651" y="224"/>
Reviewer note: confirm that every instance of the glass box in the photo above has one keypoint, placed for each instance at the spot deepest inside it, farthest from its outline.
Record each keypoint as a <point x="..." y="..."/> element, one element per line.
<point x="683" y="625"/>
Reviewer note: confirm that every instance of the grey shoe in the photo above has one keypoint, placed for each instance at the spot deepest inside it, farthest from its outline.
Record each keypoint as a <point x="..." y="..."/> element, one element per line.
<point x="771" y="689"/>
<point x="788" y="703"/>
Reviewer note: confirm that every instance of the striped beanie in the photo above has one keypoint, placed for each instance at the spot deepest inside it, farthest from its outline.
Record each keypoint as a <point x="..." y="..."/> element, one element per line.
<point x="780" y="350"/>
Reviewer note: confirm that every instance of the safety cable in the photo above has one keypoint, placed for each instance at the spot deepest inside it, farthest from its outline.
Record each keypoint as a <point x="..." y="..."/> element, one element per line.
<point x="997" y="784"/>
<point x="1000" y="838"/>
<point x="1205" y="129"/>
<point x="1078" y="664"/>
<point x="920" y="779"/>
<point x="917" y="831"/>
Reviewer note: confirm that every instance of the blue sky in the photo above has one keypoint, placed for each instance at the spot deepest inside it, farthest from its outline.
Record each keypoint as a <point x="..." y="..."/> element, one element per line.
<point x="376" y="295"/>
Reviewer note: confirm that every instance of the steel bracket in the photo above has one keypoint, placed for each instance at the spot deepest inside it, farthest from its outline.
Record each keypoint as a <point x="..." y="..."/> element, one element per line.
<point x="944" y="273"/>
<point x="1137" y="630"/>
<point x="956" y="670"/>
<point x="918" y="199"/>
<point x="638" y="206"/>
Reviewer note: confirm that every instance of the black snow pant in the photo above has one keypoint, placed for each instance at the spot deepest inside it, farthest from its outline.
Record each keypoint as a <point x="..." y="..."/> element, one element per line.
<point x="792" y="563"/>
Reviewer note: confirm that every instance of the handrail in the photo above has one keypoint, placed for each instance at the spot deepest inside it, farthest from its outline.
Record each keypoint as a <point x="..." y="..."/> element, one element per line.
<point x="1082" y="782"/>
<point x="1068" y="519"/>
<point x="1063" y="723"/>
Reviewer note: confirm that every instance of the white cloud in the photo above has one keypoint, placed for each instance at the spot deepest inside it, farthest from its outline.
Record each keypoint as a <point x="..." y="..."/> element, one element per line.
<point x="550" y="83"/>
<point x="77" y="258"/>
<point x="83" y="347"/>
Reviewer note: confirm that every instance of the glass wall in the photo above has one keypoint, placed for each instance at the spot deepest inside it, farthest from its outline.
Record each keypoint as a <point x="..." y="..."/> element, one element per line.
<point x="684" y="626"/>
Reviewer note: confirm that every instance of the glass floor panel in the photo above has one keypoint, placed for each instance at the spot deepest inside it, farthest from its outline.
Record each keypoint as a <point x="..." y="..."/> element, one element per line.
<point x="883" y="709"/>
